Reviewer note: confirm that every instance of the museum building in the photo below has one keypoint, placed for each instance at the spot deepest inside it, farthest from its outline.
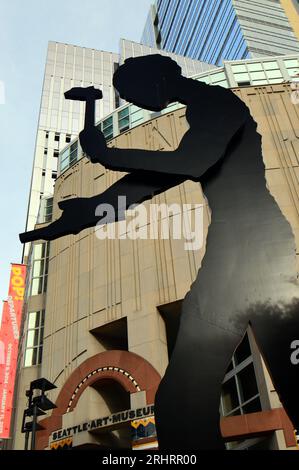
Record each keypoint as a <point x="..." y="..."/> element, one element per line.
<point x="101" y="314"/>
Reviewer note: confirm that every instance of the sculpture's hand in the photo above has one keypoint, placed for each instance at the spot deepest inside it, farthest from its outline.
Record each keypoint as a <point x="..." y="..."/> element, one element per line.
<point x="77" y="214"/>
<point x="94" y="145"/>
<point x="92" y="140"/>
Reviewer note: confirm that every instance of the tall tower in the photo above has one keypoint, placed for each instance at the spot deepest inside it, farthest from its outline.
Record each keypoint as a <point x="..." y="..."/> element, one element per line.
<point x="217" y="30"/>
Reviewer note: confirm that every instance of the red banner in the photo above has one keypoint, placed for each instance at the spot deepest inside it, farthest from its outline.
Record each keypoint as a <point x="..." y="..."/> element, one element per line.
<point x="9" y="342"/>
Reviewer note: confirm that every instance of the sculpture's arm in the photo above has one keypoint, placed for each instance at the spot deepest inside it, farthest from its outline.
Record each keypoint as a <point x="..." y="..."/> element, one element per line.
<point x="80" y="213"/>
<point x="197" y="152"/>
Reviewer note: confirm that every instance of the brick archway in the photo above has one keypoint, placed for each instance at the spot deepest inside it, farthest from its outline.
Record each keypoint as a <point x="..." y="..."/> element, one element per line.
<point x="131" y="371"/>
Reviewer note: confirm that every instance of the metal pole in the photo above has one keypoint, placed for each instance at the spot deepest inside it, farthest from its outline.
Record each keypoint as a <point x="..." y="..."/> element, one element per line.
<point x="34" y="420"/>
<point x="26" y="440"/>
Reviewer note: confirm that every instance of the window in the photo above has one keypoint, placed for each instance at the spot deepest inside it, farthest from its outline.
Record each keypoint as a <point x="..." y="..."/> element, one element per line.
<point x="242" y="77"/>
<point x="136" y="115"/>
<point x="230" y="399"/>
<point x="108" y="128"/>
<point x="274" y="74"/>
<point x="56" y="154"/>
<point x="245" y="83"/>
<point x="258" y="75"/>
<point x="40" y="268"/>
<point x="239" y="68"/>
<point x="271" y="65"/>
<point x="290" y="63"/>
<point x="45" y="151"/>
<point x="54" y="175"/>
<point x="68" y="138"/>
<point x="73" y="152"/>
<point x="243" y="351"/>
<point x="64" y="160"/>
<point x="275" y="80"/>
<point x="293" y="72"/>
<point x="34" y="340"/>
<point x="255" y="67"/>
<point x="48" y="210"/>
<point x="117" y="100"/>
<point x="69" y="156"/>
<point x="124" y="119"/>
<point x="47" y="134"/>
<point x="240" y="393"/>
<point x="57" y="137"/>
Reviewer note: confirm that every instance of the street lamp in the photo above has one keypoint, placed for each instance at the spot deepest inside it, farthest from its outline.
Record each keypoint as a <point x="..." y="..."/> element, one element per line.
<point x="37" y="405"/>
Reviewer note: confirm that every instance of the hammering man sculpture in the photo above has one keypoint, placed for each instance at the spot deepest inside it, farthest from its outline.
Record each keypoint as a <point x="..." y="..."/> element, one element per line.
<point x="248" y="274"/>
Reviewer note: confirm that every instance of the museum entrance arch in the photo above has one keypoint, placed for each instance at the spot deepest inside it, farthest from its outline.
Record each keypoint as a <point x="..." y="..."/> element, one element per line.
<point x="105" y="397"/>
<point x="124" y="372"/>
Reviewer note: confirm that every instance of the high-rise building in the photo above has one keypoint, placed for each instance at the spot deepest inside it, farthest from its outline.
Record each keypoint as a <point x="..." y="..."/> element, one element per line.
<point x="60" y="120"/>
<point x="216" y="30"/>
<point x="189" y="66"/>
<point x="108" y="320"/>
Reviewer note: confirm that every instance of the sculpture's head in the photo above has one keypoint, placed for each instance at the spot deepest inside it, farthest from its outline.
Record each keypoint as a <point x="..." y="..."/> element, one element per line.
<point x="149" y="82"/>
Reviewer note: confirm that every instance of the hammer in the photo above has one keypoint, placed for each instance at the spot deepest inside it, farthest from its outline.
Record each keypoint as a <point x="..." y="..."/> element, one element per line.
<point x="89" y="95"/>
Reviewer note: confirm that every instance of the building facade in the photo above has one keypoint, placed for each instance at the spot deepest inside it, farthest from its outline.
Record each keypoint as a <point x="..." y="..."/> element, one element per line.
<point x="217" y="30"/>
<point x="108" y="320"/>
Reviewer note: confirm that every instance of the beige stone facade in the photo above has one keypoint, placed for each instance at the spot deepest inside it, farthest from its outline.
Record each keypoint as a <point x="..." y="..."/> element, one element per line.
<point x="292" y="12"/>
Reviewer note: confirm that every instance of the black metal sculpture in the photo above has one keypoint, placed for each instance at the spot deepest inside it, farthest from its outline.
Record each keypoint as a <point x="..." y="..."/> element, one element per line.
<point x="249" y="271"/>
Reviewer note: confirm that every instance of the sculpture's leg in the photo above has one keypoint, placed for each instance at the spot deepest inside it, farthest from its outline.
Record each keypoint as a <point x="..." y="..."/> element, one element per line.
<point x="276" y="330"/>
<point x="189" y="418"/>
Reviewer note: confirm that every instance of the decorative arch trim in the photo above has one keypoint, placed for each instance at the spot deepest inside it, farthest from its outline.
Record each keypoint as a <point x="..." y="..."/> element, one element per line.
<point x="131" y="371"/>
<point x="104" y="373"/>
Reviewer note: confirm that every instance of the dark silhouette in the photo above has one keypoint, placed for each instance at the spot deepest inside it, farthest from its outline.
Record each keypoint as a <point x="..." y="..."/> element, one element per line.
<point x="248" y="273"/>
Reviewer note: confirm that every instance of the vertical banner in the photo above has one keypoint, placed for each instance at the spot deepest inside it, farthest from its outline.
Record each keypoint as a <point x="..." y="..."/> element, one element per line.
<point x="9" y="342"/>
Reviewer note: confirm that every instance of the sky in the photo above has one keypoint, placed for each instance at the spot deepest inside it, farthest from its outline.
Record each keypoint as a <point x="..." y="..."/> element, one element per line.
<point x="25" y="29"/>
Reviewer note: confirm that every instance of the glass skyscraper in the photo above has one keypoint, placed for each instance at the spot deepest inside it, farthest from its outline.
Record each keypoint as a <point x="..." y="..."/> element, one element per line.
<point x="217" y="30"/>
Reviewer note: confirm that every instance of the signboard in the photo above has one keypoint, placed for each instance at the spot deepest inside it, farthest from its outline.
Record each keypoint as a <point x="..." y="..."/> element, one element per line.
<point x="112" y="421"/>
<point x="9" y="342"/>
